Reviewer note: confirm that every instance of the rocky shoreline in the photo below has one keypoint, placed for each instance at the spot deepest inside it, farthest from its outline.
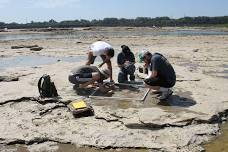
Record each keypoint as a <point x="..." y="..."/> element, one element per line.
<point x="189" y="119"/>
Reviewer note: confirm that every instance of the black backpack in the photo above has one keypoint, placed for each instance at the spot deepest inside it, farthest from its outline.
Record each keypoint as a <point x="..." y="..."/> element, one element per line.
<point x="46" y="87"/>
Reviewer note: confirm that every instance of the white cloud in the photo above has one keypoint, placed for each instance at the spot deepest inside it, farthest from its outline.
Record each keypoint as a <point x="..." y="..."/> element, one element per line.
<point x="53" y="3"/>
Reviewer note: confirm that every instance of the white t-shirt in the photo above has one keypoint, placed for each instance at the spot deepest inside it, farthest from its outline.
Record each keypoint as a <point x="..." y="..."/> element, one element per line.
<point x="99" y="47"/>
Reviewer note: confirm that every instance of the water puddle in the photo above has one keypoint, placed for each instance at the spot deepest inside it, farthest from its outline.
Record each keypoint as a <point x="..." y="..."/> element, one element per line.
<point x="73" y="148"/>
<point x="220" y="144"/>
<point x="32" y="60"/>
<point x="175" y="103"/>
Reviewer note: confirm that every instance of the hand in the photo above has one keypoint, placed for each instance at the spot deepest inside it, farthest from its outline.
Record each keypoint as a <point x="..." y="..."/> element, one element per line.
<point x="145" y="65"/>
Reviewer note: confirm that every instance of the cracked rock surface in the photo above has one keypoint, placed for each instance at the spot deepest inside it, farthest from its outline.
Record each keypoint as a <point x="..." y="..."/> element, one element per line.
<point x="187" y="120"/>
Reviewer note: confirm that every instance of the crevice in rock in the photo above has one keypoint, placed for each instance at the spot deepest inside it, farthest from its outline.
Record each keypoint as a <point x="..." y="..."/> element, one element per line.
<point x="107" y="120"/>
<point x="46" y="111"/>
<point x="19" y="100"/>
<point x="34" y="141"/>
<point x="116" y="116"/>
<point x="182" y="80"/>
<point x="122" y="147"/>
<point x="219" y="118"/>
<point x="44" y="101"/>
<point x="37" y="99"/>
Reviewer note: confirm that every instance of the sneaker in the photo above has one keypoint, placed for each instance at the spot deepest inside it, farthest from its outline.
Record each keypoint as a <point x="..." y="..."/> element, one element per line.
<point x="165" y="95"/>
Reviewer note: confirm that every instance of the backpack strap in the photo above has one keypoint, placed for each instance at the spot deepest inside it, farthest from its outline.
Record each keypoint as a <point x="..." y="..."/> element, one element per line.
<point x="39" y="84"/>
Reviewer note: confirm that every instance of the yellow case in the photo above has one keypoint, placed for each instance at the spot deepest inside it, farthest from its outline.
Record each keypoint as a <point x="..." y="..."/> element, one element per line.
<point x="79" y="104"/>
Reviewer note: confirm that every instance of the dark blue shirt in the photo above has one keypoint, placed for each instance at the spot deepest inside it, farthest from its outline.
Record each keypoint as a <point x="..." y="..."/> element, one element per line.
<point x="123" y="57"/>
<point x="164" y="69"/>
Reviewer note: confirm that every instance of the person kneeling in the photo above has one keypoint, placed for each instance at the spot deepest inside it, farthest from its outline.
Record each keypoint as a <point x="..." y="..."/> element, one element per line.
<point x="161" y="75"/>
<point x="126" y="63"/>
<point x="84" y="76"/>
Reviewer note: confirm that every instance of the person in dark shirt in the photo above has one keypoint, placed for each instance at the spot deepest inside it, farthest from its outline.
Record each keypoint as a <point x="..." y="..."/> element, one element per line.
<point x="126" y="63"/>
<point x="161" y="75"/>
<point x="86" y="75"/>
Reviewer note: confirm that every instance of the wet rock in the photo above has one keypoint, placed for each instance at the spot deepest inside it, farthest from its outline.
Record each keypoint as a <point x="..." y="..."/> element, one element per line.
<point x="195" y="50"/>
<point x="36" y="48"/>
<point x="87" y="29"/>
<point x="8" y="78"/>
<point x="17" y="47"/>
<point x="23" y="46"/>
<point x="31" y="47"/>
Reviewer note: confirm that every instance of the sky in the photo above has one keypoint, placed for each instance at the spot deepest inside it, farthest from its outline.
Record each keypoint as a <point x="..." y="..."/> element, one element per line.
<point x="25" y="11"/>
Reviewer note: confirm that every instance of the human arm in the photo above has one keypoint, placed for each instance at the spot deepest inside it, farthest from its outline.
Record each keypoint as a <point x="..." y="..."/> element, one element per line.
<point x="109" y="65"/>
<point x="90" y="58"/>
<point x="120" y="60"/>
<point x="154" y="66"/>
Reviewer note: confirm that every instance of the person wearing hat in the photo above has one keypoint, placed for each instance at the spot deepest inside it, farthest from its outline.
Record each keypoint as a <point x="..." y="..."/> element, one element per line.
<point x="126" y="63"/>
<point x="105" y="51"/>
<point x="86" y="75"/>
<point x="161" y="75"/>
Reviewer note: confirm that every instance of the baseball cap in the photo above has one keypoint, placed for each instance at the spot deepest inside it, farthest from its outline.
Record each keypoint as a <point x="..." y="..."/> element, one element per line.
<point x="141" y="55"/>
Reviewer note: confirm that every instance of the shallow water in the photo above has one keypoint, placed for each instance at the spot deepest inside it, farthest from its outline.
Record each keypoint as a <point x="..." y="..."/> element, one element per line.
<point x="109" y="33"/>
<point x="220" y="143"/>
<point x="73" y="148"/>
<point x="32" y="60"/>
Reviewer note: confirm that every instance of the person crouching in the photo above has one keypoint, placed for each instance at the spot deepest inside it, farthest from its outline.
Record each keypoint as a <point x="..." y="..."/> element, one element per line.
<point x="161" y="75"/>
<point x="86" y="75"/>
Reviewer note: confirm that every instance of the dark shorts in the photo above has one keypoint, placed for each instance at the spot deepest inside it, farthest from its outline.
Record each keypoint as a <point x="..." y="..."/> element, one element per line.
<point x="74" y="79"/>
<point x="91" y="59"/>
<point x="160" y="82"/>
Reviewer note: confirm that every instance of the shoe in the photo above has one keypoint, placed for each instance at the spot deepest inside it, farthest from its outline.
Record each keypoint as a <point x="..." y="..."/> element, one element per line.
<point x="165" y="95"/>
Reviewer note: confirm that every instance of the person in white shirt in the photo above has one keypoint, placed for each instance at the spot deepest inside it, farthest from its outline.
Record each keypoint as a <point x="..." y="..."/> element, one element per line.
<point x="105" y="51"/>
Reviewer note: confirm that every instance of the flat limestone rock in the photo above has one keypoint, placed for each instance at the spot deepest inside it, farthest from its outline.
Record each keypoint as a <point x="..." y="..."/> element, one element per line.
<point x="8" y="78"/>
<point x="158" y="117"/>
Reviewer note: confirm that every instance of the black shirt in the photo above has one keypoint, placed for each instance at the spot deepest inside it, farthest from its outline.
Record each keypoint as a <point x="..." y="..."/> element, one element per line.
<point x="85" y="73"/>
<point x="123" y="57"/>
<point x="164" y="69"/>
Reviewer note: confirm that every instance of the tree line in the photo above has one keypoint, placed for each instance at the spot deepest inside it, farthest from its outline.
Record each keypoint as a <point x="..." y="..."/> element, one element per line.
<point x="114" y="22"/>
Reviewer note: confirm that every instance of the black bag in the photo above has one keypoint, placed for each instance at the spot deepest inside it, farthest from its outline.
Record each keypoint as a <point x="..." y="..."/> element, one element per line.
<point x="46" y="87"/>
